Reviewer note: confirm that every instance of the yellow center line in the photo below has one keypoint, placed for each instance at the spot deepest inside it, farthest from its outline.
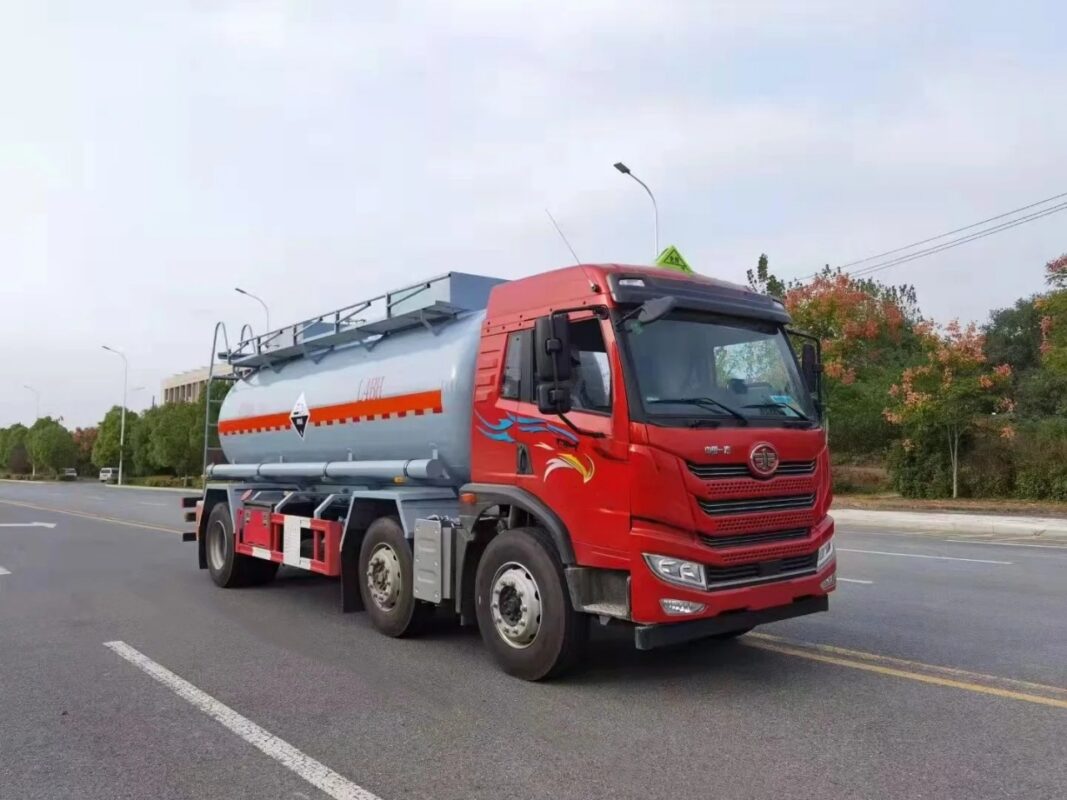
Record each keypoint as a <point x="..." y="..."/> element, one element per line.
<point x="96" y="517"/>
<point x="827" y="654"/>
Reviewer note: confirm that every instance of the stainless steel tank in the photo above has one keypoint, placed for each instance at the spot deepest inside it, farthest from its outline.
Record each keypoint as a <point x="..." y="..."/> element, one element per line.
<point x="406" y="397"/>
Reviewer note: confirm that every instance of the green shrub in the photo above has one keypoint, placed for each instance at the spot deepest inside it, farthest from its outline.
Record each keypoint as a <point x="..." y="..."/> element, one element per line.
<point x="921" y="470"/>
<point x="1040" y="454"/>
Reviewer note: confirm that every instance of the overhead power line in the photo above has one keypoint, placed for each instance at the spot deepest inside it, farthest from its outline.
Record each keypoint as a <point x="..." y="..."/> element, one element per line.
<point x="901" y="259"/>
<point x="962" y="240"/>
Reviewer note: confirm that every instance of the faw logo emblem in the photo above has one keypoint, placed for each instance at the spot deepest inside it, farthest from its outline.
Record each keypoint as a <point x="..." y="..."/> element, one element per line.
<point x="763" y="460"/>
<point x="299" y="416"/>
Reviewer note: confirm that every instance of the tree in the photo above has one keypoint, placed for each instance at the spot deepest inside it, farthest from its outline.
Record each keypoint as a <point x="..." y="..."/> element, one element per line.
<point x="1053" y="309"/>
<point x="945" y="397"/>
<point x="176" y="438"/>
<point x="14" y="455"/>
<point x="84" y="439"/>
<point x="1013" y="336"/>
<point x="51" y="446"/>
<point x="106" y="447"/>
<point x="761" y="280"/>
<point x="139" y="439"/>
<point x="869" y="331"/>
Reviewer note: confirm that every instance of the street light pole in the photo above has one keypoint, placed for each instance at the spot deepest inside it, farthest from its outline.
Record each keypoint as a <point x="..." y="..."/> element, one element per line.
<point x="259" y="300"/>
<point x="122" y="424"/>
<point x="37" y="416"/>
<point x="625" y="170"/>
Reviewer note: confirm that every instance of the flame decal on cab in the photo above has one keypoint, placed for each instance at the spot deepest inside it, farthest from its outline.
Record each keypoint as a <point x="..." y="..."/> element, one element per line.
<point x="568" y="461"/>
<point x="513" y="429"/>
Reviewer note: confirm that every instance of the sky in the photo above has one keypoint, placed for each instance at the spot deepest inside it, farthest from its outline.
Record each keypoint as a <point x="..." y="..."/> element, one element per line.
<point x="153" y="156"/>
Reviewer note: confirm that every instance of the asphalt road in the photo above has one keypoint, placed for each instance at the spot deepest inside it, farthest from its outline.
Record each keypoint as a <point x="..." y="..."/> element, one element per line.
<point x="940" y="672"/>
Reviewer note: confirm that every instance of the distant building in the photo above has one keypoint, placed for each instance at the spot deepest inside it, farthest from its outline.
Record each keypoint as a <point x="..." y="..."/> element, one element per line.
<point x="185" y="387"/>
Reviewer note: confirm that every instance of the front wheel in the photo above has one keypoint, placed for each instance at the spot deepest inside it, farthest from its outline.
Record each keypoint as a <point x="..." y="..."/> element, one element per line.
<point x="524" y="610"/>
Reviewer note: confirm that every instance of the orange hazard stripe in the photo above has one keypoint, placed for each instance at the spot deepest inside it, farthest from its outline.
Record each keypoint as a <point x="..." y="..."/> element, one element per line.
<point x="401" y="405"/>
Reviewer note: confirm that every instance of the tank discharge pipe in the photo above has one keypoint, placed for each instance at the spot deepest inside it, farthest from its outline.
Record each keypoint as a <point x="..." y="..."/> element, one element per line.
<point x="422" y="469"/>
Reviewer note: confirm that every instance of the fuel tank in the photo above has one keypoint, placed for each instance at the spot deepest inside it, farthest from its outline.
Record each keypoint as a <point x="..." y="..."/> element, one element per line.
<point x="407" y="396"/>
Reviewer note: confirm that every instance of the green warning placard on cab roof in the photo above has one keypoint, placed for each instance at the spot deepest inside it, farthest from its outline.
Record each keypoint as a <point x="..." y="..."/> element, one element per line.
<point x="672" y="259"/>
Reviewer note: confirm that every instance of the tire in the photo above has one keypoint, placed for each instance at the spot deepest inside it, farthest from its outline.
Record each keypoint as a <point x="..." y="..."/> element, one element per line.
<point x="227" y="568"/>
<point x="386" y="580"/>
<point x="519" y="573"/>
<point x="725" y="637"/>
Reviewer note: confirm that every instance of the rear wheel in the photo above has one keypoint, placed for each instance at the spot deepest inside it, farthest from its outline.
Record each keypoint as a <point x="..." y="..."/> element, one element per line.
<point x="227" y="568"/>
<point x="524" y="610"/>
<point x="387" y="583"/>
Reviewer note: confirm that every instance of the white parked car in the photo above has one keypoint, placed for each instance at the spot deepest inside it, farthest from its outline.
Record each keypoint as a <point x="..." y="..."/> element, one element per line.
<point x="109" y="474"/>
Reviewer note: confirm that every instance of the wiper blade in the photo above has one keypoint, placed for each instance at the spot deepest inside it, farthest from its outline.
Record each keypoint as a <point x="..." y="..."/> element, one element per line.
<point x="779" y="404"/>
<point x="704" y="402"/>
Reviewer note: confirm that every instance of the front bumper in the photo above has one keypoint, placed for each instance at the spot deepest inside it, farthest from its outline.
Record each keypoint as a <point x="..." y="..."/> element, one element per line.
<point x="647" y="637"/>
<point x="648" y="590"/>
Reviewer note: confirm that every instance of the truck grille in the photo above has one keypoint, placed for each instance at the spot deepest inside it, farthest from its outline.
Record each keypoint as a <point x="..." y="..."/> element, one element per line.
<point x="760" y="571"/>
<point x="709" y="471"/>
<point x="742" y="539"/>
<point x="755" y="504"/>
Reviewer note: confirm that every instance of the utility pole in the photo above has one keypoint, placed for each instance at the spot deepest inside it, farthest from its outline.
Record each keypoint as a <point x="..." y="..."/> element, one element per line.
<point x="259" y="300"/>
<point x="122" y="424"/>
<point x="37" y="416"/>
<point x="625" y="170"/>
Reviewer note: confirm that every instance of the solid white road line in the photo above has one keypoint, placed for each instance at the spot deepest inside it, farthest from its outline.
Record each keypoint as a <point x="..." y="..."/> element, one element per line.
<point x="4" y="571"/>
<point x="1007" y="544"/>
<point x="920" y="555"/>
<point x="157" y="505"/>
<point x="318" y="775"/>
<point x="854" y="580"/>
<point x="27" y="524"/>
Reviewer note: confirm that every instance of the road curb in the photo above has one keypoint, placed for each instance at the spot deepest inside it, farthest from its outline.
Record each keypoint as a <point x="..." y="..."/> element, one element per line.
<point x="906" y="521"/>
<point x="190" y="490"/>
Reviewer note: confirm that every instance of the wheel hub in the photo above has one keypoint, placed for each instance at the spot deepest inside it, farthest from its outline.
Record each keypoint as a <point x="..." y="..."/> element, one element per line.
<point x="516" y="605"/>
<point x="383" y="577"/>
<point x="216" y="550"/>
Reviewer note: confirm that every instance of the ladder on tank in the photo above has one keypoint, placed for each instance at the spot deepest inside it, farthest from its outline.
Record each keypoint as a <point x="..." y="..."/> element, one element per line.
<point x="213" y="451"/>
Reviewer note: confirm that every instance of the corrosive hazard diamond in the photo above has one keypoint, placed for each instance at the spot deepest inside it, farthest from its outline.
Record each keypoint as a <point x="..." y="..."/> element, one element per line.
<point x="300" y="415"/>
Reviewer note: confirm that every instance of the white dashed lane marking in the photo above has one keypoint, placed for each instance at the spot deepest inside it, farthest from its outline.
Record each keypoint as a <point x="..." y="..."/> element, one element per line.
<point x="922" y="555"/>
<point x="318" y="775"/>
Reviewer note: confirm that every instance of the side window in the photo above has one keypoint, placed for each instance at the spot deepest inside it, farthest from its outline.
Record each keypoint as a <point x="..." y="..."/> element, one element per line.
<point x="591" y="390"/>
<point x="511" y="387"/>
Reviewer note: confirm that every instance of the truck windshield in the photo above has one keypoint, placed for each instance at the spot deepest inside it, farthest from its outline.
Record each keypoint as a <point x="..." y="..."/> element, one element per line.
<point x="735" y="370"/>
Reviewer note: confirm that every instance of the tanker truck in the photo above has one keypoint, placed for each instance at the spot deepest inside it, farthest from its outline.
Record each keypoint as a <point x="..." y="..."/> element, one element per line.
<point x="596" y="444"/>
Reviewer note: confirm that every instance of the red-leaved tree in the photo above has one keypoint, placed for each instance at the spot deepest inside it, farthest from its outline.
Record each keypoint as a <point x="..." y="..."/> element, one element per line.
<point x="943" y="398"/>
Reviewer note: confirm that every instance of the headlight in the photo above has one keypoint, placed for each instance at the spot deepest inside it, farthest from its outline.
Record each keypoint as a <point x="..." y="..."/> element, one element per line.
<point x="826" y="552"/>
<point x="686" y="573"/>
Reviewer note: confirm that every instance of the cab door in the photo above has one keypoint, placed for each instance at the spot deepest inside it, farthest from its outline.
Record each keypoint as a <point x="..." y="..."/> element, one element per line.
<point x="581" y="474"/>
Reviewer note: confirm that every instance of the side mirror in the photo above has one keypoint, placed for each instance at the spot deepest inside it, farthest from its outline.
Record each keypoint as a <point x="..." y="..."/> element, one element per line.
<point x="810" y="368"/>
<point x="553" y="399"/>
<point x="552" y="362"/>
<point x="552" y="349"/>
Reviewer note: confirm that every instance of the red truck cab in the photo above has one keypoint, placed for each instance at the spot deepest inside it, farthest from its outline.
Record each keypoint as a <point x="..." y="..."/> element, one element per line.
<point x="686" y="482"/>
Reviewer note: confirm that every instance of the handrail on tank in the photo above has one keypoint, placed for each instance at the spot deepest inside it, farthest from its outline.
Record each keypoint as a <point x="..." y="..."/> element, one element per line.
<point x="342" y="316"/>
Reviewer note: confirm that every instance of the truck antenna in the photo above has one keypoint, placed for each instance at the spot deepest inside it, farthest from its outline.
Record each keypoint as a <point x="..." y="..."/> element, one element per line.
<point x="561" y="236"/>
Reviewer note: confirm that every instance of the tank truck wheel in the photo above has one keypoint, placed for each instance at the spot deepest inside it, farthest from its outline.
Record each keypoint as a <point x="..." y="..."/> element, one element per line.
<point x="228" y="569"/>
<point x="524" y="609"/>
<point x="387" y="580"/>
